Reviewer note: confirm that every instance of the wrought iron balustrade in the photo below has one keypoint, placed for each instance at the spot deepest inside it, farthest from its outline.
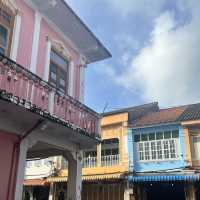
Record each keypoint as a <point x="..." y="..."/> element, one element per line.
<point x="26" y="86"/>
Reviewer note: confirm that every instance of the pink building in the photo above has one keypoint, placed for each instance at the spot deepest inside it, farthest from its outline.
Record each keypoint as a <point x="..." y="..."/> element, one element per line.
<point x="44" y="51"/>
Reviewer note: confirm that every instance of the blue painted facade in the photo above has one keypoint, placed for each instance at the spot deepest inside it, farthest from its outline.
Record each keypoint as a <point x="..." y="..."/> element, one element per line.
<point x="135" y="165"/>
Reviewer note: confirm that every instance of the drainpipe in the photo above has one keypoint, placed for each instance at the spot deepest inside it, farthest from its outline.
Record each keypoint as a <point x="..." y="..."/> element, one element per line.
<point x="15" y="159"/>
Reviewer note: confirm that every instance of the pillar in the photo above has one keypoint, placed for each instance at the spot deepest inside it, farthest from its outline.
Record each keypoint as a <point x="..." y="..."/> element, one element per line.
<point x="99" y="155"/>
<point x="21" y="169"/>
<point x="74" y="186"/>
<point x="127" y="192"/>
<point x="190" y="193"/>
<point x="51" y="189"/>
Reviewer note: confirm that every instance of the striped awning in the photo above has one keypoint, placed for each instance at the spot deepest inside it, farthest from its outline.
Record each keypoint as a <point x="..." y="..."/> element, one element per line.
<point x="164" y="178"/>
<point x="88" y="178"/>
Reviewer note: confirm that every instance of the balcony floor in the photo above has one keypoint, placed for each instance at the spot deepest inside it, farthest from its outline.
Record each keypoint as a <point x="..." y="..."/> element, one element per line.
<point x="18" y="117"/>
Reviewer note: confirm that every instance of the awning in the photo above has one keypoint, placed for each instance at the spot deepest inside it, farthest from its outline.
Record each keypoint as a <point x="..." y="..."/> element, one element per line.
<point x="89" y="178"/>
<point x="35" y="182"/>
<point x="164" y="178"/>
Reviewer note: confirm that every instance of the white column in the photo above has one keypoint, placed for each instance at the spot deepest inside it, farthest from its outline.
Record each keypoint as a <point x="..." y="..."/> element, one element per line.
<point x="21" y="169"/>
<point x="16" y="36"/>
<point x="51" y="192"/>
<point x="51" y="102"/>
<point x="47" y="60"/>
<point x="74" y="186"/>
<point x="35" y="44"/>
<point x="71" y="78"/>
<point x="82" y="84"/>
<point x="190" y="192"/>
<point x="31" y="192"/>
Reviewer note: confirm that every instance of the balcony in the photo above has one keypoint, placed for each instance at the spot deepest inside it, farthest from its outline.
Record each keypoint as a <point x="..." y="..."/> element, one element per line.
<point x="106" y="161"/>
<point x="89" y="162"/>
<point x="110" y="160"/>
<point x="26" y="88"/>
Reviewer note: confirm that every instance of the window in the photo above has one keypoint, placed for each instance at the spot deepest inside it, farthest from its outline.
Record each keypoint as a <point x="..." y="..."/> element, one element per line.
<point x="6" y="29"/>
<point x="157" y="146"/>
<point x="110" y="152"/>
<point x="58" y="75"/>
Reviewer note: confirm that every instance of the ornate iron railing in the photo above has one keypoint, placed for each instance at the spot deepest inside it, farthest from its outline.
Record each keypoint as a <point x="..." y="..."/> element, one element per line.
<point x="29" y="87"/>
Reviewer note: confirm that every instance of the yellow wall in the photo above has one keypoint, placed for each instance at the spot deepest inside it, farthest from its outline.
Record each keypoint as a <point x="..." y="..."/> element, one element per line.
<point x="112" y="126"/>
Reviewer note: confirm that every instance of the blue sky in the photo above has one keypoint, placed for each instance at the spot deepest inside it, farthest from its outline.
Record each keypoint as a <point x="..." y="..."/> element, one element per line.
<point x="155" y="52"/>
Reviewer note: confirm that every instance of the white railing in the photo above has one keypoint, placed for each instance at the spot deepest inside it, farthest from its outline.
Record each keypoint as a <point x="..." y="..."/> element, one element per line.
<point x="89" y="162"/>
<point x="110" y="160"/>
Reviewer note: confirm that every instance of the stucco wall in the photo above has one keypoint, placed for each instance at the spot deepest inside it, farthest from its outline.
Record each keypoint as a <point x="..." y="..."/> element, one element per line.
<point x="7" y="142"/>
<point x="26" y="40"/>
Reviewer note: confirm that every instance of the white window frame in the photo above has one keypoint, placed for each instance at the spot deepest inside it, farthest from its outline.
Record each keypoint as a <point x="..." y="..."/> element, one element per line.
<point x="174" y="140"/>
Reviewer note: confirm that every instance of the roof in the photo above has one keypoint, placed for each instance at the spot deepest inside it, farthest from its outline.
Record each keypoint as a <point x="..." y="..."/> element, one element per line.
<point x="134" y="109"/>
<point x="73" y="27"/>
<point x="191" y="113"/>
<point x="167" y="115"/>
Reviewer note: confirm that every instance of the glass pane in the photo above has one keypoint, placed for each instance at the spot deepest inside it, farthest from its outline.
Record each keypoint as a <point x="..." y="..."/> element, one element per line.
<point x="172" y="149"/>
<point x="175" y="134"/>
<point x="62" y="81"/>
<point x="146" y="151"/>
<point x="141" y="151"/>
<point x="3" y="36"/>
<point x="2" y="50"/>
<point x="136" y="138"/>
<point x="166" y="149"/>
<point x="159" y="150"/>
<point x="167" y="134"/>
<point x="153" y="150"/>
<point x="159" y="135"/>
<point x="56" y="58"/>
<point x="144" y="137"/>
<point x="152" y="136"/>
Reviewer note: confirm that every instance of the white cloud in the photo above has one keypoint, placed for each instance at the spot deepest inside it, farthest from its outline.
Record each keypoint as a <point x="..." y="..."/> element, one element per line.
<point x="145" y="8"/>
<point x="168" y="68"/>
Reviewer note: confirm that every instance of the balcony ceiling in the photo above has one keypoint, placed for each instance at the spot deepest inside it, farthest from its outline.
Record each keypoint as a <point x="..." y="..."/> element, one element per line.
<point x="71" y="25"/>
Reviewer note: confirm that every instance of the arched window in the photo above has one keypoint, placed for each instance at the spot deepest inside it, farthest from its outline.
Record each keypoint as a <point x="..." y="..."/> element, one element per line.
<point x="6" y="28"/>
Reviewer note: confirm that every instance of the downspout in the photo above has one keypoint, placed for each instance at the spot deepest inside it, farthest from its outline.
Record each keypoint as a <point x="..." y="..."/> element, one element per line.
<point x="16" y="151"/>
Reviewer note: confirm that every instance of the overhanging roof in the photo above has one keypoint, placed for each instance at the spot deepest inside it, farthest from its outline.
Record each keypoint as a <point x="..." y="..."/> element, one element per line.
<point x="59" y="12"/>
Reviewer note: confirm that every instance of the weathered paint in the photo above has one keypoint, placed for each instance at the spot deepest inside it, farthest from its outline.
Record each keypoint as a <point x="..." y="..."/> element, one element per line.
<point x="149" y="166"/>
<point x="8" y="164"/>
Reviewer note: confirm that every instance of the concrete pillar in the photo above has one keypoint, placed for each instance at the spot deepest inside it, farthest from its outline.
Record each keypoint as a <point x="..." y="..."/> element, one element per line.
<point x="190" y="193"/>
<point x="21" y="169"/>
<point x="30" y="191"/>
<point x="99" y="155"/>
<point x="74" y="186"/>
<point x="51" y="189"/>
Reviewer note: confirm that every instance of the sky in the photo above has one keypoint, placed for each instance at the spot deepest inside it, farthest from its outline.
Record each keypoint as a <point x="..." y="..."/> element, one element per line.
<point x="155" y="47"/>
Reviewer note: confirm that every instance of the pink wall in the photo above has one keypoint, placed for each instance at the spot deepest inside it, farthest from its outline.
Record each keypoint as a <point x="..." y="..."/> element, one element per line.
<point x="26" y="39"/>
<point x="7" y="142"/>
<point x="26" y="34"/>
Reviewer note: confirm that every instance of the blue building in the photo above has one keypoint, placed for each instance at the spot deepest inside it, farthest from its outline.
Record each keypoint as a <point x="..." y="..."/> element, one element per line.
<point x="160" y="155"/>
